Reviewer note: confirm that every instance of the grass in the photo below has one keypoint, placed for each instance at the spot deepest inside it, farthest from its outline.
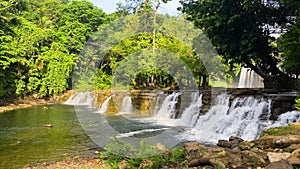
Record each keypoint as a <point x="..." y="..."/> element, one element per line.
<point x="280" y="131"/>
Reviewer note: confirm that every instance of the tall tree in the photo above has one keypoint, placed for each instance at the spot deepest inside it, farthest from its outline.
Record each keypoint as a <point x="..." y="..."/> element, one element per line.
<point x="240" y="32"/>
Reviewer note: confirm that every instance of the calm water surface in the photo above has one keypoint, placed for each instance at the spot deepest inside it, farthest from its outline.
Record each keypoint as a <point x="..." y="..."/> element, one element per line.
<point x="25" y="141"/>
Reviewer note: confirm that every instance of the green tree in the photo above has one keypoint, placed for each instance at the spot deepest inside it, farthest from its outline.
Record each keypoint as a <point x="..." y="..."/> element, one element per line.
<point x="8" y="13"/>
<point x="289" y="45"/>
<point x="239" y="31"/>
<point x="40" y="42"/>
<point x="125" y="40"/>
<point x="83" y="11"/>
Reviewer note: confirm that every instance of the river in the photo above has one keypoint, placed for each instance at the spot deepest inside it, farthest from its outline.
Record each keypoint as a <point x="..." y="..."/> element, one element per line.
<point x="24" y="139"/>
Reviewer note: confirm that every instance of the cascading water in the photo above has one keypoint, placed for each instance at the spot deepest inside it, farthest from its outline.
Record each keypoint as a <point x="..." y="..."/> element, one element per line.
<point x="242" y="117"/>
<point x="104" y="106"/>
<point x="191" y="113"/>
<point x="83" y="99"/>
<point x="168" y="108"/>
<point x="245" y="118"/>
<point x="126" y="107"/>
<point x="250" y="79"/>
<point x="287" y="118"/>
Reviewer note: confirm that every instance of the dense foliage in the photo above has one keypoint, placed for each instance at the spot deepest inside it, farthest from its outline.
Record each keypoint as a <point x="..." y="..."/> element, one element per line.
<point x="40" y="43"/>
<point x="241" y="33"/>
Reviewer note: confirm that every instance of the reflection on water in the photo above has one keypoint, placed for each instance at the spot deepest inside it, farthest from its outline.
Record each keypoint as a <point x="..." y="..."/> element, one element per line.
<point x="24" y="139"/>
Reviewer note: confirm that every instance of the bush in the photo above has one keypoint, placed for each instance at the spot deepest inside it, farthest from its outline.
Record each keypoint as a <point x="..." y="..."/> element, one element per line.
<point x="147" y="156"/>
<point x="297" y="105"/>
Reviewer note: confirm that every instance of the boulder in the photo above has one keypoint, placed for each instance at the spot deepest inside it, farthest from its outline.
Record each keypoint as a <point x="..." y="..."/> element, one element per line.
<point x="246" y="145"/>
<point x="279" y="165"/>
<point x="273" y="157"/>
<point x="224" y="143"/>
<point x="295" y="158"/>
<point x="193" y="150"/>
<point x="273" y="142"/>
<point x="233" y="160"/>
<point x="197" y="155"/>
<point x="249" y="158"/>
<point x="233" y="142"/>
<point x="294" y="147"/>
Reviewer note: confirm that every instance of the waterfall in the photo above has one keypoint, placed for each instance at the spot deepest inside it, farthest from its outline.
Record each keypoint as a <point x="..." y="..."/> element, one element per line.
<point x="242" y="117"/>
<point x="82" y="98"/>
<point x="250" y="79"/>
<point x="190" y="114"/>
<point x="287" y="118"/>
<point x="245" y="118"/>
<point x="126" y="107"/>
<point x="168" y="108"/>
<point x="104" y="106"/>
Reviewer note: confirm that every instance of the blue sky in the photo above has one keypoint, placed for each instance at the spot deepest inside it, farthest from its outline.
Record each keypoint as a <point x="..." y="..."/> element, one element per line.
<point x="110" y="6"/>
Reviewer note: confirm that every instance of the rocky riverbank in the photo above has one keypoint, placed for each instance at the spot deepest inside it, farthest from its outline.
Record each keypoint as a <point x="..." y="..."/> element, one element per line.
<point x="277" y="148"/>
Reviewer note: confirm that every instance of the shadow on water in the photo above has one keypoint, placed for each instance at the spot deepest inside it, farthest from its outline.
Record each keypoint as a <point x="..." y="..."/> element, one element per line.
<point x="25" y="138"/>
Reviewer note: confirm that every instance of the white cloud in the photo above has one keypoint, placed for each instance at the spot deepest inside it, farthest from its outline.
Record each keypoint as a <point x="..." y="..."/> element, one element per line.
<point x="170" y="7"/>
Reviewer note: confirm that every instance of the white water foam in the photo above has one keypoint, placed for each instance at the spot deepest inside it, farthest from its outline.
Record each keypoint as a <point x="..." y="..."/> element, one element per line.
<point x="190" y="114"/>
<point x="166" y="113"/>
<point x="287" y="118"/>
<point x="133" y="133"/>
<point x="168" y="108"/>
<point x="82" y="99"/>
<point x="245" y="118"/>
<point x="126" y="107"/>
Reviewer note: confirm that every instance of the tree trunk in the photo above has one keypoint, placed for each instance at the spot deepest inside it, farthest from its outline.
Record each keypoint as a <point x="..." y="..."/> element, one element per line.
<point x="281" y="81"/>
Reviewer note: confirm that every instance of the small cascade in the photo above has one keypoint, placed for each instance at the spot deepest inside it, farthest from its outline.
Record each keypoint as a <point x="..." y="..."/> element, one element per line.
<point x="168" y="108"/>
<point x="83" y="99"/>
<point x="104" y="106"/>
<point x="191" y="113"/>
<point x="126" y="107"/>
<point x="250" y="79"/>
<point x="245" y="118"/>
<point x="287" y="118"/>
